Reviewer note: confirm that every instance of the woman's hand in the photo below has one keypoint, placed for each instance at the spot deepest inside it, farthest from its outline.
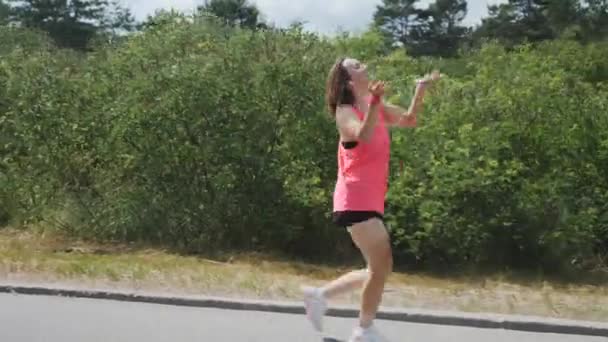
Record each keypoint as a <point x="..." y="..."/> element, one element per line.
<point x="377" y="88"/>
<point x="430" y="78"/>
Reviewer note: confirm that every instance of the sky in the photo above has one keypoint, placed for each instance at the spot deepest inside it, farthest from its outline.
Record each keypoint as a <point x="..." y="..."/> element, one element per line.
<point x="323" y="16"/>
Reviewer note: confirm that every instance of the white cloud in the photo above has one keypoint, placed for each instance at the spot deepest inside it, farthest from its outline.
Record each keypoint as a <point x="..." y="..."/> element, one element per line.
<point x="320" y="15"/>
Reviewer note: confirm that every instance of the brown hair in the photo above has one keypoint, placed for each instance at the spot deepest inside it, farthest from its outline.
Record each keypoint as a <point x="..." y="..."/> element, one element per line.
<point x="337" y="91"/>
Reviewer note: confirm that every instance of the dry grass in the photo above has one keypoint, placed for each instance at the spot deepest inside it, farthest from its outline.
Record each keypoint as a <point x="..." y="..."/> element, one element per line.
<point x="32" y="257"/>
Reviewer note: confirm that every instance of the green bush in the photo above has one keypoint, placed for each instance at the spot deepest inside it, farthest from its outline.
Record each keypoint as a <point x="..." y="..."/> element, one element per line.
<point x="190" y="134"/>
<point x="505" y="168"/>
<point x="201" y="137"/>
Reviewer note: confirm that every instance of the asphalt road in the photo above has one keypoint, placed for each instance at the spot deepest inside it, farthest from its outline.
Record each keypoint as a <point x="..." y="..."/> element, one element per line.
<point x="44" y="319"/>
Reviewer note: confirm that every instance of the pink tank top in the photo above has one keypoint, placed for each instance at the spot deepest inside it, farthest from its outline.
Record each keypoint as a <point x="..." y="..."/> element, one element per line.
<point x="363" y="171"/>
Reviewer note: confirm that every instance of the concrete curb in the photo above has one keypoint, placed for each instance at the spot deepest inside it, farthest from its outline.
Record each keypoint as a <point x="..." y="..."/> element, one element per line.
<point x="487" y="321"/>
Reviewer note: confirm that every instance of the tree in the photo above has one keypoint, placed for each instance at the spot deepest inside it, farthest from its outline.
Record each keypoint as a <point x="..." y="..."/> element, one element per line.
<point x="435" y="31"/>
<point x="397" y="19"/>
<point x="520" y="21"/>
<point x="118" y="18"/>
<point x="4" y="13"/>
<point x="595" y="19"/>
<point x="72" y="23"/>
<point x="562" y="14"/>
<point x="234" y="12"/>
<point x="441" y="32"/>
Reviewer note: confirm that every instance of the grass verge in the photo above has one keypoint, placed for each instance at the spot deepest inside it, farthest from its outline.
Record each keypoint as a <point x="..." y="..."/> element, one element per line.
<point x="33" y="257"/>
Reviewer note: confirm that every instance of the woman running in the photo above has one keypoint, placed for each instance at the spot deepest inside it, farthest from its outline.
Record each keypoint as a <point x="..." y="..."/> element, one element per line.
<point x="362" y="120"/>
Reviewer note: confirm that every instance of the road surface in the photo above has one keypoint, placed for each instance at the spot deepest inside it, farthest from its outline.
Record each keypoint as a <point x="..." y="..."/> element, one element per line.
<point x="43" y="319"/>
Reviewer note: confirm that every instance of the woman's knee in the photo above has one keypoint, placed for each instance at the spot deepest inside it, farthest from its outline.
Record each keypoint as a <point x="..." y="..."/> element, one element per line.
<point x="373" y="240"/>
<point x="381" y="260"/>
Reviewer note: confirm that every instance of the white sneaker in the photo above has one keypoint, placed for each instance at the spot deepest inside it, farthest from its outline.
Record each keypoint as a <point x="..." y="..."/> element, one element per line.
<point x="316" y="306"/>
<point x="367" y="335"/>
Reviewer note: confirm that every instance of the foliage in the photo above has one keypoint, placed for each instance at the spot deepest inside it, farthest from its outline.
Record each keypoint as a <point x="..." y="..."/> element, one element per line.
<point x="73" y="23"/>
<point x="234" y="12"/>
<point x="204" y="137"/>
